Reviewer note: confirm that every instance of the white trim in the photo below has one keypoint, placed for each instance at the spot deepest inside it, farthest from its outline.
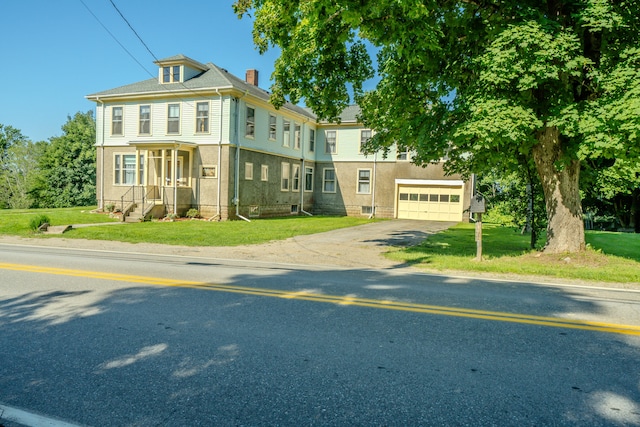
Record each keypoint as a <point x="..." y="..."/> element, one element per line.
<point x="438" y="182"/>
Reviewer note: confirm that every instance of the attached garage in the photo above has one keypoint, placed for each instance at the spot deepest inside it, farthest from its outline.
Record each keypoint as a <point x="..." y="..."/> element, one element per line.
<point x="432" y="200"/>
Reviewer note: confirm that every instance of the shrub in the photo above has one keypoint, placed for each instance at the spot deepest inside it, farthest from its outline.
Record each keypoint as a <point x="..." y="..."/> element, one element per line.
<point x="193" y="213"/>
<point x="109" y="207"/>
<point x="36" y="221"/>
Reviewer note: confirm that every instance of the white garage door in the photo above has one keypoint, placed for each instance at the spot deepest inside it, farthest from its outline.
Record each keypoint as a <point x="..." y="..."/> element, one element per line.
<point x="430" y="202"/>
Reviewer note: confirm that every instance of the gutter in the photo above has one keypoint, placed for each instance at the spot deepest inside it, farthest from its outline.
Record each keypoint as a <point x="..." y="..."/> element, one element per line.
<point x="236" y="197"/>
<point x="101" y="200"/>
<point x="303" y="175"/>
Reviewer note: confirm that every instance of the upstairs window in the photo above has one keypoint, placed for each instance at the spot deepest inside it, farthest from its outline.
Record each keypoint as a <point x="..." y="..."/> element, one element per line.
<point x="171" y="74"/>
<point x="173" y="118"/>
<point x="312" y="140"/>
<point x="286" y="131"/>
<point x="330" y="142"/>
<point x="145" y="120"/>
<point x="365" y="136"/>
<point x="251" y="122"/>
<point x="272" y="127"/>
<point x="116" y="121"/>
<point x="296" y="136"/>
<point x="202" y="117"/>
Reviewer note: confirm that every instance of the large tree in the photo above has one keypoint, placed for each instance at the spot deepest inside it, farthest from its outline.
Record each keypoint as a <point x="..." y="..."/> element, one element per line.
<point x="68" y="165"/>
<point x="476" y="81"/>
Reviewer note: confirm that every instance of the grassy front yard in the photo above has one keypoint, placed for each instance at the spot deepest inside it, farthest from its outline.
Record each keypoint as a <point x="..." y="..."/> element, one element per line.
<point x="611" y="257"/>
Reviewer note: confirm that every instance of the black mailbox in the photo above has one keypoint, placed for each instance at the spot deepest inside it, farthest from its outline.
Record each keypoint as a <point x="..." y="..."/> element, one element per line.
<point x="477" y="204"/>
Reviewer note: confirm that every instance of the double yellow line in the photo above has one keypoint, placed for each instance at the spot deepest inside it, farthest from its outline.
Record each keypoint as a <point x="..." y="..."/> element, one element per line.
<point x="343" y="300"/>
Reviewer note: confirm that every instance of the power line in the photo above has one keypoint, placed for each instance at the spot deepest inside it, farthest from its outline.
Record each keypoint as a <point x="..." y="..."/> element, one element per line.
<point x="116" y="39"/>
<point x="132" y="29"/>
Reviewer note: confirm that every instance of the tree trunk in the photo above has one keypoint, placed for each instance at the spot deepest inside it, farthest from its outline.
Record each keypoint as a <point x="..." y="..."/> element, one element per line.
<point x="560" y="184"/>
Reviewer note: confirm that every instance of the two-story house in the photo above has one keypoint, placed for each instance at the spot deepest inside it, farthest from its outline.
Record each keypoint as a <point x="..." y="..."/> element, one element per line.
<point x="199" y="137"/>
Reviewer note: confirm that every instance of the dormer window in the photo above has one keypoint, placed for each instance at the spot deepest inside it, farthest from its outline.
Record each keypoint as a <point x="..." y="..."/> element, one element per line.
<point x="171" y="74"/>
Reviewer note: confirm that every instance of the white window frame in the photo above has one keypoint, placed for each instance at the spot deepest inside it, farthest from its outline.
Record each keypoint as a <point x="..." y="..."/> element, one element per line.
<point x="121" y="121"/>
<point x="120" y="172"/>
<point x="295" y="178"/>
<point x="200" y="119"/>
<point x="364" y="138"/>
<point x="273" y="127"/>
<point x="147" y="120"/>
<point x="312" y="140"/>
<point x="325" y="181"/>
<point x="331" y="148"/>
<point x="171" y="119"/>
<point x="308" y="172"/>
<point x="264" y="172"/>
<point x="248" y="171"/>
<point x="285" y="176"/>
<point x="361" y="181"/>
<point x="286" y="133"/>
<point x="297" y="134"/>
<point x="169" y="73"/>
<point x="250" y="122"/>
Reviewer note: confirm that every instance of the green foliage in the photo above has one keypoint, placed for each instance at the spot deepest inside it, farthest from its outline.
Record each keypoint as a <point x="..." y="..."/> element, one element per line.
<point x="193" y="213"/>
<point x="68" y="166"/>
<point x="36" y="221"/>
<point x="480" y="83"/>
<point x="18" y="168"/>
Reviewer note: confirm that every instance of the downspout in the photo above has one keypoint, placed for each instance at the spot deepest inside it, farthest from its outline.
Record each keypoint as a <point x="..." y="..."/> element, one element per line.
<point x="303" y="175"/>
<point x="101" y="201"/>
<point x="174" y="159"/>
<point x="236" y="197"/>
<point x="373" y="186"/>
<point x="219" y="172"/>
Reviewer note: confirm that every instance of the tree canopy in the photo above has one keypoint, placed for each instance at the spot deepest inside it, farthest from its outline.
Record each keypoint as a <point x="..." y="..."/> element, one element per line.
<point x="483" y="83"/>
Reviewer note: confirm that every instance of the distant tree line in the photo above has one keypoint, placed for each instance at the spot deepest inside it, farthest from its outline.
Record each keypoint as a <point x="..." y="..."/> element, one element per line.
<point x="57" y="173"/>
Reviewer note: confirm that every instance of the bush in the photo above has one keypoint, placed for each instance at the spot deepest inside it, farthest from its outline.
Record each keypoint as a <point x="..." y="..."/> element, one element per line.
<point x="37" y="221"/>
<point x="193" y="213"/>
<point x="109" y="207"/>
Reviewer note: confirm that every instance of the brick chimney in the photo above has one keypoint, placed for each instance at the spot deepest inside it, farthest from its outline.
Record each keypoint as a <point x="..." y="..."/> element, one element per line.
<point x="252" y="77"/>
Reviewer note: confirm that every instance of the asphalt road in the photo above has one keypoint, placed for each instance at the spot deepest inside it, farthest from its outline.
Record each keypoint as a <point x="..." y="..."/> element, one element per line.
<point x="126" y="339"/>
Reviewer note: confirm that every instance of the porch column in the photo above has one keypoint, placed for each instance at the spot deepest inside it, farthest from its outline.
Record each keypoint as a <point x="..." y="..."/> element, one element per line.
<point x="174" y="177"/>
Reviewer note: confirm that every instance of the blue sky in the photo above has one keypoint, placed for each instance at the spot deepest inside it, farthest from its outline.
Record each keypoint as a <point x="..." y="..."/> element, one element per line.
<point x="56" y="52"/>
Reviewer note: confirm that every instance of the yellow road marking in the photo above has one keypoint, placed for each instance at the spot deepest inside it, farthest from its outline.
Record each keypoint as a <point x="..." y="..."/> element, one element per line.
<point x="349" y="300"/>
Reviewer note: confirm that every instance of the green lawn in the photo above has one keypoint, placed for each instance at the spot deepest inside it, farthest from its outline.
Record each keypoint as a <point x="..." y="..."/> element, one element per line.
<point x="188" y="233"/>
<point x="611" y="257"/>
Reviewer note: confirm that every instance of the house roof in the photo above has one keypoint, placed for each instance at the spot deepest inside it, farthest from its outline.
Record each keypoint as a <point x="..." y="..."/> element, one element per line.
<point x="348" y="115"/>
<point x="212" y="78"/>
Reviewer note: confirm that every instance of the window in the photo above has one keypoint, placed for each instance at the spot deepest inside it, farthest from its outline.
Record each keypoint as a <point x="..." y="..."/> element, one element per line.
<point x="251" y="122"/>
<point x="284" y="177"/>
<point x="296" y="178"/>
<point x="145" y="120"/>
<point x="312" y="140"/>
<point x="330" y="142"/>
<point x="173" y="118"/>
<point x="455" y="198"/>
<point x="248" y="171"/>
<point x="404" y="196"/>
<point x="286" y="130"/>
<point x="444" y="198"/>
<point x="433" y="197"/>
<point x="329" y="181"/>
<point x="402" y="153"/>
<point x="124" y="169"/>
<point x="365" y="135"/>
<point x="264" y="173"/>
<point x="296" y="136"/>
<point x="308" y="178"/>
<point x="294" y="208"/>
<point x="202" y="117"/>
<point x="116" y="121"/>
<point x="171" y="74"/>
<point x="272" y="127"/>
<point x="366" y="210"/>
<point x="364" y="181"/>
<point x="209" y="171"/>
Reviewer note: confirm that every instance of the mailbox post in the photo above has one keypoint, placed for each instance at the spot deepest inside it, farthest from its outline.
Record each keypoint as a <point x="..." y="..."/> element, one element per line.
<point x="478" y="207"/>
